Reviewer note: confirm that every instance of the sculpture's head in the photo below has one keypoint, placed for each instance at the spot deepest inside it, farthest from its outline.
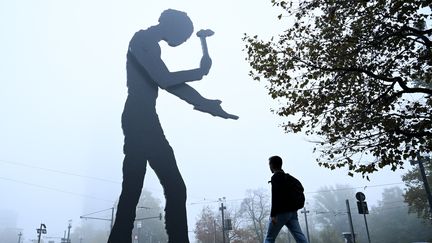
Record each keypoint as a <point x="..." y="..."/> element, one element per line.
<point x="176" y="27"/>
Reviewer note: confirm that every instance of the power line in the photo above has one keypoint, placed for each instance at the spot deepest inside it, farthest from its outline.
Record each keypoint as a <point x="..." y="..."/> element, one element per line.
<point x="320" y="191"/>
<point x="100" y="211"/>
<point x="116" y="182"/>
<point x="359" y="187"/>
<point x="69" y="173"/>
<point x="55" y="189"/>
<point x="336" y="213"/>
<point x="59" y="171"/>
<point x="373" y="210"/>
<point x="215" y="201"/>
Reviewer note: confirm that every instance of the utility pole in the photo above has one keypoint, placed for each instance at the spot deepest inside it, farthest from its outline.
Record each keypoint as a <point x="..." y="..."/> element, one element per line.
<point x="19" y="237"/>
<point x="305" y="212"/>
<point x="69" y="227"/>
<point x="420" y="161"/>
<point x="350" y="221"/>
<point x="222" y="208"/>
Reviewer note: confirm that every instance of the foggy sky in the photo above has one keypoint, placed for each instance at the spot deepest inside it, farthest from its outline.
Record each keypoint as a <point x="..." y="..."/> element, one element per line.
<point x="62" y="91"/>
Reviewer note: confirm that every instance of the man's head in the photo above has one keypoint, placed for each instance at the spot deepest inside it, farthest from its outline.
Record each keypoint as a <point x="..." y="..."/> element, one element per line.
<point x="176" y="26"/>
<point x="275" y="163"/>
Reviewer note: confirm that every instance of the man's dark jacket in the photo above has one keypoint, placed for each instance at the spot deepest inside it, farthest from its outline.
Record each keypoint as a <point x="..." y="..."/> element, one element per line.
<point x="282" y="194"/>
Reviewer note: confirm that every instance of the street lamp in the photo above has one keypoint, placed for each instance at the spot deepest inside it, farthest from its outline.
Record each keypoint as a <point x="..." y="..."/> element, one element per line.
<point x="40" y="231"/>
<point x="19" y="237"/>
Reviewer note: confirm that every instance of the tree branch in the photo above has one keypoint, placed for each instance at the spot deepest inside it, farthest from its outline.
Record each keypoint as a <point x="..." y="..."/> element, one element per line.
<point x="405" y="31"/>
<point x="399" y="80"/>
<point x="420" y="34"/>
<point x="413" y="134"/>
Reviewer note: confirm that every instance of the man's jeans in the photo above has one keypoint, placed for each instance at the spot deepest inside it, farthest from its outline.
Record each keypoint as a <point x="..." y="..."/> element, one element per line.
<point x="290" y="220"/>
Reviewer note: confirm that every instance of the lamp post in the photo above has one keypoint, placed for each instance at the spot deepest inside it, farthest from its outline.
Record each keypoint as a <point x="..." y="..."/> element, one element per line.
<point x="40" y="231"/>
<point x="68" y="234"/>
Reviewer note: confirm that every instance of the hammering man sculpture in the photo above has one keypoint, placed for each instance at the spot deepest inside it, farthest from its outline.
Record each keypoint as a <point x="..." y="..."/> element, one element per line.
<point x="144" y="138"/>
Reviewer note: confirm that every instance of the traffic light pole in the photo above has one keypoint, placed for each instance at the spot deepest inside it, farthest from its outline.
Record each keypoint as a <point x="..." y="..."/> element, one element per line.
<point x="363" y="209"/>
<point x="367" y="228"/>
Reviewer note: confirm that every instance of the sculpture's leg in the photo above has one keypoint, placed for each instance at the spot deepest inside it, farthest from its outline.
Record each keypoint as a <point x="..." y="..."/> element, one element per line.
<point x="134" y="168"/>
<point x="165" y="167"/>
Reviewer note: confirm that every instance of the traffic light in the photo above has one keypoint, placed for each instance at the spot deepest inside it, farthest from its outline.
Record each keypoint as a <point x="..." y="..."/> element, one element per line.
<point x="228" y="224"/>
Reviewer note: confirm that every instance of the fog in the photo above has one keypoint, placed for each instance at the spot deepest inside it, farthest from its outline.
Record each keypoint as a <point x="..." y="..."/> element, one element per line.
<point x="62" y="91"/>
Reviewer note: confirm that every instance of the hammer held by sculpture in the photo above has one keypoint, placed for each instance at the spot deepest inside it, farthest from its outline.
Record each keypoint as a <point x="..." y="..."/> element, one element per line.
<point x="144" y="138"/>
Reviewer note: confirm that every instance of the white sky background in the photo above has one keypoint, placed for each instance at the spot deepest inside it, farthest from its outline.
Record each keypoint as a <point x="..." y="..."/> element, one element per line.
<point x="62" y="90"/>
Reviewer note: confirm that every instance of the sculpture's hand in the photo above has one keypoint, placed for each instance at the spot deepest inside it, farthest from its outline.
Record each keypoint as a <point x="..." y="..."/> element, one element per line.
<point x="214" y="108"/>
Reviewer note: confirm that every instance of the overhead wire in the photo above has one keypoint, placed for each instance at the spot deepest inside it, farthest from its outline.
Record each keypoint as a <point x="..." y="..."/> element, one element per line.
<point x="56" y="189"/>
<point x="115" y="182"/>
<point x="60" y="171"/>
<point x="64" y="172"/>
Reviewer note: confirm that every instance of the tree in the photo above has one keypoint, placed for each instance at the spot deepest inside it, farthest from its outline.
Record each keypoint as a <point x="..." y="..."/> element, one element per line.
<point x="415" y="194"/>
<point x="88" y="232"/>
<point x="206" y="228"/>
<point x="391" y="222"/>
<point x="149" y="226"/>
<point x="330" y="216"/>
<point x="248" y="221"/>
<point x="326" y="235"/>
<point x="330" y="209"/>
<point x="256" y="209"/>
<point x="355" y="74"/>
<point x="9" y="235"/>
<point x="241" y="231"/>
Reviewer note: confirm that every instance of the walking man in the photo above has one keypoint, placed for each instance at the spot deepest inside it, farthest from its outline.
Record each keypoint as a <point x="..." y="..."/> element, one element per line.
<point x="287" y="198"/>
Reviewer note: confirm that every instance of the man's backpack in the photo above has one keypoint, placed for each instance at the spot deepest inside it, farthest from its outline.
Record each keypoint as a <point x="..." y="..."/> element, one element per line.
<point x="295" y="191"/>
